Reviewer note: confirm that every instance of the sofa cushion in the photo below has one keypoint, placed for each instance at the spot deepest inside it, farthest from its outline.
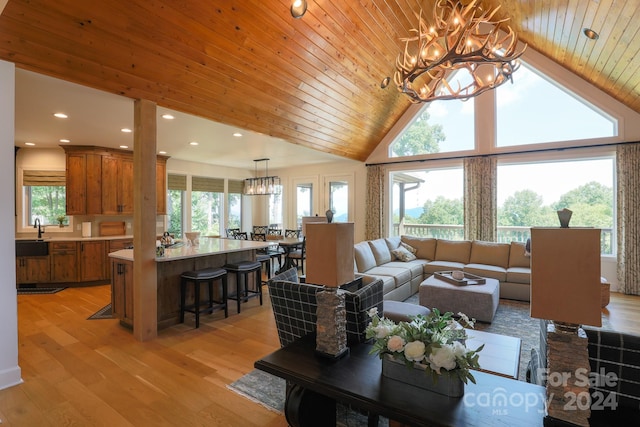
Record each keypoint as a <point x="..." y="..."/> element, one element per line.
<point x="403" y="254"/>
<point x="416" y="266"/>
<point x="425" y="247"/>
<point x="484" y="270"/>
<point x="393" y="242"/>
<point x="400" y="275"/>
<point x="517" y="256"/>
<point x="434" y="266"/>
<point x="364" y="256"/>
<point x="453" y="250"/>
<point x="519" y="275"/>
<point x="388" y="282"/>
<point x="380" y="251"/>
<point x="490" y="253"/>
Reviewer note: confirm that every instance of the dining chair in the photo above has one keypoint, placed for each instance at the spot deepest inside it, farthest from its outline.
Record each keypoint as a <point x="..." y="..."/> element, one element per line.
<point x="240" y="235"/>
<point x="299" y="256"/>
<point x="292" y="233"/>
<point x="260" y="229"/>
<point x="275" y="232"/>
<point x="231" y="232"/>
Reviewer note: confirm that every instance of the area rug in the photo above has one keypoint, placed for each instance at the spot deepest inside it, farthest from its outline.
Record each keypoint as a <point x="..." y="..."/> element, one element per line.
<point x="104" y="313"/>
<point x="35" y="291"/>
<point x="512" y="318"/>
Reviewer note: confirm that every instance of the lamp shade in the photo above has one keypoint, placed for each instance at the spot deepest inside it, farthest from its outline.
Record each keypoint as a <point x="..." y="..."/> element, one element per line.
<point x="330" y="253"/>
<point x="565" y="275"/>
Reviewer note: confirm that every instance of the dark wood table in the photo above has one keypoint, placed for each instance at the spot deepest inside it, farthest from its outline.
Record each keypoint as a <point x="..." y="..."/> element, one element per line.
<point x="357" y="380"/>
<point x="288" y="244"/>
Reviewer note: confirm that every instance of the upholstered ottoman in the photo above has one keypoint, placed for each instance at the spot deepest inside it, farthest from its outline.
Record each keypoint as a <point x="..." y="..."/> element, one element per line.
<point x="402" y="311"/>
<point x="479" y="302"/>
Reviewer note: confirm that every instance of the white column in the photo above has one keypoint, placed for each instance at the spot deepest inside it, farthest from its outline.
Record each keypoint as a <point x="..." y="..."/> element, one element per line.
<point x="9" y="369"/>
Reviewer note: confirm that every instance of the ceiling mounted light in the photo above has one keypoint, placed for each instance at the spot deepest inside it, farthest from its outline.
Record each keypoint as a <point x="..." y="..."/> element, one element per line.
<point x="167" y="117"/>
<point x="60" y="115"/>
<point x="262" y="185"/>
<point x="590" y="34"/>
<point x="463" y="43"/>
<point x="125" y="130"/>
<point x="298" y="8"/>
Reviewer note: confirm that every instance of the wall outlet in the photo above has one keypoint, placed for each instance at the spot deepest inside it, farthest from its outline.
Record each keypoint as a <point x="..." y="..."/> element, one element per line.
<point x="78" y="227"/>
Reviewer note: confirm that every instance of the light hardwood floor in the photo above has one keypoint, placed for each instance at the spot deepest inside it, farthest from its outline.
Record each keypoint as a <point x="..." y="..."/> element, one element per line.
<point x="80" y="372"/>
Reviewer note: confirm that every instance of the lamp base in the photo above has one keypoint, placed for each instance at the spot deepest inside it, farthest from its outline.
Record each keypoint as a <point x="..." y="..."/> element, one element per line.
<point x="343" y="353"/>
<point x="568" y="393"/>
<point x="331" y="324"/>
<point x="567" y="328"/>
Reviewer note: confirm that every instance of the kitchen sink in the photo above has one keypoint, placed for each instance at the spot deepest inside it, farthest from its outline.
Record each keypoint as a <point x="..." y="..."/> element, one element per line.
<point x="32" y="248"/>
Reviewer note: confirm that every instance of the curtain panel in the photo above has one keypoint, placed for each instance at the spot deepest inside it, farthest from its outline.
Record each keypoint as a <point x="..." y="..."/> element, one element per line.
<point x="628" y="204"/>
<point x="374" y="216"/>
<point x="480" y="198"/>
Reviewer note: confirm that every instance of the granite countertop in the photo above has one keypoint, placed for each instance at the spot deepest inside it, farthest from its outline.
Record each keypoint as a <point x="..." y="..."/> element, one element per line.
<point x="207" y="246"/>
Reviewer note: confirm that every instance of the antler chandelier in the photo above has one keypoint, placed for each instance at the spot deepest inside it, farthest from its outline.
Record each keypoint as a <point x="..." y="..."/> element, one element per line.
<point x="462" y="42"/>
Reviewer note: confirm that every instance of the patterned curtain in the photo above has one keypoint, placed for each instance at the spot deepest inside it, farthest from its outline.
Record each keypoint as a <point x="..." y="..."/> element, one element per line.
<point x="628" y="177"/>
<point x="480" y="200"/>
<point x="375" y="220"/>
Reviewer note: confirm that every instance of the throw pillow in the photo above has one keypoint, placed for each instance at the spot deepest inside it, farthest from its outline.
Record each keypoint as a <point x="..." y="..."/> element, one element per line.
<point x="403" y="254"/>
<point x="409" y="247"/>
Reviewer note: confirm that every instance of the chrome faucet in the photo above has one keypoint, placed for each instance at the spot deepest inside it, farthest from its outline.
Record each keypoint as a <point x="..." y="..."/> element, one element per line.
<point x="36" y="223"/>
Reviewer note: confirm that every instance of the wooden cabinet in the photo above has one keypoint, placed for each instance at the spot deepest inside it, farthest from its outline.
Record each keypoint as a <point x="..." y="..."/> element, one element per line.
<point x="122" y="290"/>
<point x="118" y="244"/>
<point x="83" y="188"/>
<point x="161" y="186"/>
<point x="100" y="181"/>
<point x="117" y="185"/>
<point x="92" y="260"/>
<point x="32" y="269"/>
<point x="64" y="262"/>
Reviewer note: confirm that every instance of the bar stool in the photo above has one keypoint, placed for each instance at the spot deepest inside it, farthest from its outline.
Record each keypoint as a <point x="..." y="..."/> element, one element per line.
<point x="198" y="277"/>
<point x="242" y="269"/>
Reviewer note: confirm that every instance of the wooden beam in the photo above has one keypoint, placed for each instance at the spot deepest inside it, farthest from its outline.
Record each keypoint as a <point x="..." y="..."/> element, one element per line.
<point x="145" y="282"/>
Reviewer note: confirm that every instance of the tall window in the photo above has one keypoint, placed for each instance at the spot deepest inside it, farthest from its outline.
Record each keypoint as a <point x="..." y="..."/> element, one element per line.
<point x="304" y="202"/>
<point x="275" y="209"/>
<point x="529" y="195"/>
<point x="534" y="110"/>
<point x="207" y="198"/>
<point x="44" y="195"/>
<point x="440" y="127"/>
<point x="430" y="202"/>
<point x="234" y="203"/>
<point x="176" y="189"/>
<point x="339" y="200"/>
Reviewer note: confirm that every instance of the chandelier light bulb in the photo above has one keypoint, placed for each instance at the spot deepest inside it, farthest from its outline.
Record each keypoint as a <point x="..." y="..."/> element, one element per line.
<point x="454" y="41"/>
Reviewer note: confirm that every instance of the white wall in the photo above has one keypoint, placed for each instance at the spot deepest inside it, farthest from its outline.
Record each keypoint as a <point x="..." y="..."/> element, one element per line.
<point x="10" y="373"/>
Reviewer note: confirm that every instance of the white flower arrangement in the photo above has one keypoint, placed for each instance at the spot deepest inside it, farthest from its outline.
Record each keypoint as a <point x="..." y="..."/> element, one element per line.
<point x="435" y="341"/>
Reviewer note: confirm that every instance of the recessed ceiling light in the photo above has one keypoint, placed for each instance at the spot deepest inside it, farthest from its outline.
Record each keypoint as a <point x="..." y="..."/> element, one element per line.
<point x="124" y="146"/>
<point x="237" y="134"/>
<point x="125" y="130"/>
<point x="168" y="116"/>
<point x="60" y="115"/>
<point x="193" y="143"/>
<point x="30" y="144"/>
<point x="590" y="33"/>
<point x="162" y="152"/>
<point x="65" y="140"/>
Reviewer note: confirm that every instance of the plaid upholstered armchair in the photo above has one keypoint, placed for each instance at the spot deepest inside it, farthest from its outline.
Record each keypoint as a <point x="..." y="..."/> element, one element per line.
<point x="294" y="306"/>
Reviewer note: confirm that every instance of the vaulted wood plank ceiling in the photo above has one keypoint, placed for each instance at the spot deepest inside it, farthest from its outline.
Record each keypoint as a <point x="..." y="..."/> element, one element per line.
<point x="313" y="81"/>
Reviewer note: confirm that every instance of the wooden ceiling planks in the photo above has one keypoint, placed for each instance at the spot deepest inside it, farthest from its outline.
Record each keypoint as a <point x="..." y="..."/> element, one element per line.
<point x="313" y="81"/>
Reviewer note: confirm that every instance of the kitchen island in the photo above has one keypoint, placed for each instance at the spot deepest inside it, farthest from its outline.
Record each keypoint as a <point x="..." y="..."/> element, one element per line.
<point x="210" y="252"/>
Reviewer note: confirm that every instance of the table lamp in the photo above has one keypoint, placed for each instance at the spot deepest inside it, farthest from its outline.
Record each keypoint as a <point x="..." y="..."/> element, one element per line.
<point x="330" y="251"/>
<point x="565" y="288"/>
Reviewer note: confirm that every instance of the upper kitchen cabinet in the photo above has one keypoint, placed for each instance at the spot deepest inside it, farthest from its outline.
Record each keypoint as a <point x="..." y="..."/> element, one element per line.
<point x="117" y="185"/>
<point x="84" y="191"/>
<point x="100" y="181"/>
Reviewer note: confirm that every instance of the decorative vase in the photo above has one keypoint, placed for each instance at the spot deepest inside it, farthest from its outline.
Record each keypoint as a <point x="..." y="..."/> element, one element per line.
<point x="329" y="214"/>
<point x="448" y="385"/>
<point x="564" y="216"/>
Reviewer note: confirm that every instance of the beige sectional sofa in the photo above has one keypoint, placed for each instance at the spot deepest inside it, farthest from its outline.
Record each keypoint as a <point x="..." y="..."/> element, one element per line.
<point x="401" y="279"/>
